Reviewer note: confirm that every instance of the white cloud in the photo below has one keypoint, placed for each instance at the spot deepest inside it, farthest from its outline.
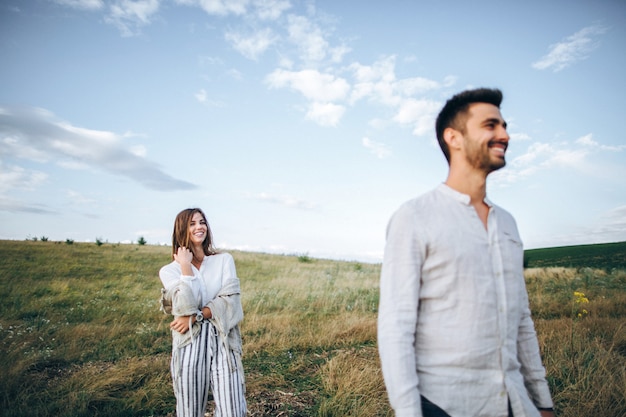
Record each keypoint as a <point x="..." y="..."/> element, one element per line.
<point x="312" y="84"/>
<point x="201" y="95"/>
<point x="251" y="46"/>
<point x="518" y="137"/>
<point x="128" y="16"/>
<point x="375" y="82"/>
<point x="379" y="84"/>
<point x="219" y="7"/>
<point x="10" y="145"/>
<point x="572" y="49"/>
<point x="15" y="177"/>
<point x="542" y="156"/>
<point x="308" y="37"/>
<point x="381" y="70"/>
<point x="325" y="114"/>
<point x="419" y="113"/>
<point x="82" y="4"/>
<point x="589" y="142"/>
<point x="379" y="149"/>
<point x="567" y="157"/>
<point x="337" y="53"/>
<point x="203" y="98"/>
<point x="271" y="9"/>
<point x="36" y="134"/>
<point x="533" y="152"/>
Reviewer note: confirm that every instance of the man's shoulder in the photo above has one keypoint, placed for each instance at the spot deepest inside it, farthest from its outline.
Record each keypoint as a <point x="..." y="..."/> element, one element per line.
<point x="416" y="210"/>
<point x="424" y="201"/>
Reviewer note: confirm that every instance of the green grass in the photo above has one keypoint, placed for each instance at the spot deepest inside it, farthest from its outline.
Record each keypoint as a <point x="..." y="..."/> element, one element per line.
<point x="81" y="334"/>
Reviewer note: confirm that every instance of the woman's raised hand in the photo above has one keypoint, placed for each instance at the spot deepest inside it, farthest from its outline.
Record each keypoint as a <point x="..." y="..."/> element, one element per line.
<point x="183" y="256"/>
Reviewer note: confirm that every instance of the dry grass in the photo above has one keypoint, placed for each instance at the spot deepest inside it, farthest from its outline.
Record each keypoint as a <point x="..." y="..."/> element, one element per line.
<point x="81" y="335"/>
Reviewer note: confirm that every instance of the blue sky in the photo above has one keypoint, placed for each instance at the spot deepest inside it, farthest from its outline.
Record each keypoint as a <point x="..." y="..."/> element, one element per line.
<point x="300" y="126"/>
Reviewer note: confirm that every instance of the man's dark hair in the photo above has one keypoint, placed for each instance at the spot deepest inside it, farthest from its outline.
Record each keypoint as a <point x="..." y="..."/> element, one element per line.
<point x="454" y="113"/>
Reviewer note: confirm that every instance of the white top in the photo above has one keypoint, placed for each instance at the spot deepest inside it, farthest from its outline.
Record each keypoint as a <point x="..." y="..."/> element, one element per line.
<point x="454" y="323"/>
<point x="207" y="281"/>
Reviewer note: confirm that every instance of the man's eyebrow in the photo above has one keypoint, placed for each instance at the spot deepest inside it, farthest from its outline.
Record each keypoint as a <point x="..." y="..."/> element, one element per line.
<point x="495" y="120"/>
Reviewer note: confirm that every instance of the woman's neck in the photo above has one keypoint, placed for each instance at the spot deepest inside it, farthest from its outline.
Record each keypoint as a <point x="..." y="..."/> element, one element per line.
<point x="198" y="256"/>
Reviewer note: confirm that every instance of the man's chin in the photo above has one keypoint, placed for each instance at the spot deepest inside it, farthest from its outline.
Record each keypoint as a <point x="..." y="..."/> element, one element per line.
<point x="496" y="166"/>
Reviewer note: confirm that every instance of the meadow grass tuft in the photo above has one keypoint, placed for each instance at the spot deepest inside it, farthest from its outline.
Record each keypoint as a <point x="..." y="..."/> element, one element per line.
<point x="81" y="334"/>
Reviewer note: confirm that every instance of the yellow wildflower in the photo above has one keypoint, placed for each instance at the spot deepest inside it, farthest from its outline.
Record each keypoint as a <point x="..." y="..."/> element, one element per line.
<point x="579" y="297"/>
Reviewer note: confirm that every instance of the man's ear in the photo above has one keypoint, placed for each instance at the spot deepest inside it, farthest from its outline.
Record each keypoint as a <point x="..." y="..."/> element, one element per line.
<point x="452" y="137"/>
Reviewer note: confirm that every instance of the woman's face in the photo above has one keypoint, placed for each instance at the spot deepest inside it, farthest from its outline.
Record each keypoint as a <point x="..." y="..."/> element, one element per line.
<point x="198" y="229"/>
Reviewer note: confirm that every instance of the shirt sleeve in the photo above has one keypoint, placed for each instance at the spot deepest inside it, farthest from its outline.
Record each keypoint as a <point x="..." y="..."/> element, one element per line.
<point x="228" y="268"/>
<point x="171" y="275"/>
<point x="397" y="313"/>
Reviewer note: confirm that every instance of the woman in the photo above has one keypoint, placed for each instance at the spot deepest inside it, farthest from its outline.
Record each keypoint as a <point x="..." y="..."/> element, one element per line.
<point x="203" y="289"/>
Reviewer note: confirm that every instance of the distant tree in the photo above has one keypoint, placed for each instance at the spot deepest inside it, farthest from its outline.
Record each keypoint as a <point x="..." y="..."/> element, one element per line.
<point x="141" y="241"/>
<point x="99" y="241"/>
<point x="44" y="238"/>
<point x="69" y="241"/>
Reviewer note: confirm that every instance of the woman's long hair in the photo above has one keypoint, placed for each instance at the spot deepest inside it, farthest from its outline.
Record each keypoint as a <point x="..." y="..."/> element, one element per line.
<point x="181" y="235"/>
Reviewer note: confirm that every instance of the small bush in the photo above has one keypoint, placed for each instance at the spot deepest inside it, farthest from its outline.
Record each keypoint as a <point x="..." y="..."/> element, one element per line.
<point x="44" y="238"/>
<point x="69" y="241"/>
<point x="141" y="241"/>
<point x="305" y="258"/>
<point x="99" y="241"/>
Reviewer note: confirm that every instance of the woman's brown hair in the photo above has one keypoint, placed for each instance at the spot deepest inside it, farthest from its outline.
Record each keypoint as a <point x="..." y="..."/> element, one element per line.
<point x="180" y="237"/>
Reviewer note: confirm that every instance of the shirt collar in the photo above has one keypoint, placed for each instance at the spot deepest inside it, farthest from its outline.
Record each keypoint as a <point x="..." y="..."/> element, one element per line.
<point x="460" y="197"/>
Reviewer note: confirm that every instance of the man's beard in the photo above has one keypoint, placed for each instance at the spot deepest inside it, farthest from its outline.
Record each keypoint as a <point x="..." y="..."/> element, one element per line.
<point x="480" y="158"/>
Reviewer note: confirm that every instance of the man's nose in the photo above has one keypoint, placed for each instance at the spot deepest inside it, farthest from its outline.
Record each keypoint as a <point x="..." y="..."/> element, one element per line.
<point x="503" y="134"/>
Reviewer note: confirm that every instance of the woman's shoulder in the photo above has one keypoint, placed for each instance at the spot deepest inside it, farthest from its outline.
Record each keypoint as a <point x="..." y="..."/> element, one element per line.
<point x="220" y="257"/>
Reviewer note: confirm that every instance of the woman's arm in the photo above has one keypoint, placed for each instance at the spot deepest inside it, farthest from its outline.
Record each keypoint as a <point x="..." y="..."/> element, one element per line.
<point x="184" y="257"/>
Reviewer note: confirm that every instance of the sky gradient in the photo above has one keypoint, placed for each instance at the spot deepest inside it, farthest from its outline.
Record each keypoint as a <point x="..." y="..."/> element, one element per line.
<point x="300" y="126"/>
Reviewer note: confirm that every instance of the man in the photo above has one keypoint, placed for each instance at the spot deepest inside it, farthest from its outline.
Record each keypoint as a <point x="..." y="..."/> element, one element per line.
<point x="455" y="333"/>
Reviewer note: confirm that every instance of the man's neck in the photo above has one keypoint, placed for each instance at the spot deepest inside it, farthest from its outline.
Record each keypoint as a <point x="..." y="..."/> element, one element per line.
<point x="474" y="184"/>
<point x="470" y="182"/>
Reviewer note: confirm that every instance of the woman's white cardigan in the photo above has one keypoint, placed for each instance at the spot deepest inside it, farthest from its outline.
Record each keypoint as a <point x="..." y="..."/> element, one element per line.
<point x="226" y="312"/>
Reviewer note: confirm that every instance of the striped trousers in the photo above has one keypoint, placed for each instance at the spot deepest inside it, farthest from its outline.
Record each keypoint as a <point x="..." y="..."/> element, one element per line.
<point x="203" y="365"/>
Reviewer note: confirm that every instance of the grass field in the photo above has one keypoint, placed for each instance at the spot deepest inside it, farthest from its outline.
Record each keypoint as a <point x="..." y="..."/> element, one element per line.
<point x="81" y="334"/>
<point x="602" y="256"/>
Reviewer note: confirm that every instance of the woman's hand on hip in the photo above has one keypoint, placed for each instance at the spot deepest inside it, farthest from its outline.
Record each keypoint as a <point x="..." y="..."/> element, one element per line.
<point x="180" y="324"/>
